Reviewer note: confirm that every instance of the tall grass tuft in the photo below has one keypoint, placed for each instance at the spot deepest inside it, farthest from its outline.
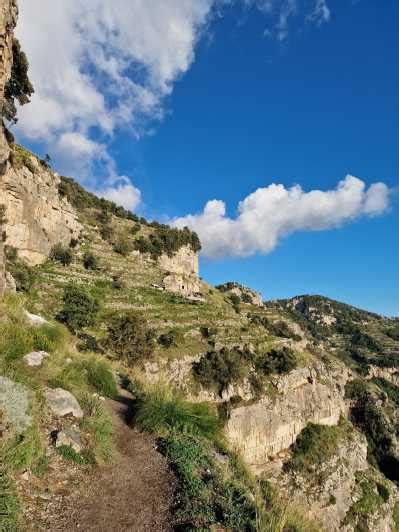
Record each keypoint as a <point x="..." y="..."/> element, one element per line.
<point x="162" y="411"/>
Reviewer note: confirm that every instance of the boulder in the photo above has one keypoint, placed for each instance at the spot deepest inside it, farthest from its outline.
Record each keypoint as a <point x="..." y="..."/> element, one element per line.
<point x="63" y="403"/>
<point x="35" y="358"/>
<point x="70" y="438"/>
<point x="35" y="320"/>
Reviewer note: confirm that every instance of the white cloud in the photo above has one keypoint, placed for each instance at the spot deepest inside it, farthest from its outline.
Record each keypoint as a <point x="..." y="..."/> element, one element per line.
<point x="320" y="14"/>
<point x="100" y="65"/>
<point x="124" y="194"/>
<point x="271" y="213"/>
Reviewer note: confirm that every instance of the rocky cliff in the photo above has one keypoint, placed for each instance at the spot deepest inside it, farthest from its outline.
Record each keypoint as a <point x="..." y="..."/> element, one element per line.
<point x="8" y="21"/>
<point x="37" y="216"/>
<point x="306" y="395"/>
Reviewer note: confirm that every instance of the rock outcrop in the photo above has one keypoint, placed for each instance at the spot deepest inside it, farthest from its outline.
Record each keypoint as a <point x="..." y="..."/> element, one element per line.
<point x="37" y="216"/>
<point x="307" y="395"/>
<point x="8" y="21"/>
<point x="63" y="403"/>
<point x="182" y="272"/>
<point x="247" y="295"/>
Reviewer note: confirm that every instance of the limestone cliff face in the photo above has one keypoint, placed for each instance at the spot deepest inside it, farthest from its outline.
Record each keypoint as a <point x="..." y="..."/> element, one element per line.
<point x="182" y="268"/>
<point x="8" y="21"/>
<point x="306" y="395"/>
<point x="184" y="262"/>
<point x="37" y="217"/>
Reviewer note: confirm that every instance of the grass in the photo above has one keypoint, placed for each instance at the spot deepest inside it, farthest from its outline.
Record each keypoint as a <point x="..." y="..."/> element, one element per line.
<point x="315" y="445"/>
<point x="9" y="505"/>
<point x="70" y="454"/>
<point x="207" y="496"/>
<point x="371" y="496"/>
<point x="98" y="423"/>
<point x="162" y="411"/>
<point x="100" y="376"/>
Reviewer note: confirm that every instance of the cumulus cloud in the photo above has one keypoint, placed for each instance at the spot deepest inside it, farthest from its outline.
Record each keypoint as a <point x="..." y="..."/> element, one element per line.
<point x="124" y="194"/>
<point x="100" y="65"/>
<point x="274" y="212"/>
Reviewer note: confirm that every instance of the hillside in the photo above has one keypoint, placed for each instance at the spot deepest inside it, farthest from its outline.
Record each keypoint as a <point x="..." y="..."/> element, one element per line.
<point x="304" y="390"/>
<point x="136" y="396"/>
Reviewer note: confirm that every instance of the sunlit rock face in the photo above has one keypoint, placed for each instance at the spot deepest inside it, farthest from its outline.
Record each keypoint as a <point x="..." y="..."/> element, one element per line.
<point x="306" y="395"/>
<point x="37" y="216"/>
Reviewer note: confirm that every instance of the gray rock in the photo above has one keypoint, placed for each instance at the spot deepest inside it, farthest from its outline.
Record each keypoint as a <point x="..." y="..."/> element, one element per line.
<point x="35" y="320"/>
<point x="70" y="438"/>
<point x="63" y="403"/>
<point x="35" y="358"/>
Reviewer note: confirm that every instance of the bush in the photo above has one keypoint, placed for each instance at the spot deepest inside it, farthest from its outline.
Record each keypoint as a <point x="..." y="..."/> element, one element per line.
<point x="24" y="276"/>
<point x="315" y="445"/>
<point x="61" y="254"/>
<point x="70" y="454"/>
<point x="279" y="361"/>
<point x="130" y="337"/>
<point x="123" y="247"/>
<point x="90" y="262"/>
<point x="219" y="368"/>
<point x="18" y="87"/>
<point x="100" y="376"/>
<point x="88" y="343"/>
<point x="170" y="339"/>
<point x="80" y="308"/>
<point x="163" y="411"/>
<point x="208" y="332"/>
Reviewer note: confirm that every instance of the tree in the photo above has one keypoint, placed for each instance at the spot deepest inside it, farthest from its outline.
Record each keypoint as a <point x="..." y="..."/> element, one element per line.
<point x="130" y="337"/>
<point x="18" y="87"/>
<point x="80" y="308"/>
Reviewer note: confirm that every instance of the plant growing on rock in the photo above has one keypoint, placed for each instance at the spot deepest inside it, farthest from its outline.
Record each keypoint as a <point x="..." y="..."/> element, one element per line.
<point x="18" y="87"/>
<point x="219" y="368"/>
<point x="62" y="254"/>
<point x="129" y="337"/>
<point x="279" y="360"/>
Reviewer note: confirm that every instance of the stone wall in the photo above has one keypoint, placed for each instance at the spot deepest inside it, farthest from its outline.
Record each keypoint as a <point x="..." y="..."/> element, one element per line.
<point x="307" y="395"/>
<point x="37" y="217"/>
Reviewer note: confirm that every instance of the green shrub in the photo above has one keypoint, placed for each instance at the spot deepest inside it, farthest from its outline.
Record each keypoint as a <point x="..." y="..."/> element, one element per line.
<point x="389" y="388"/>
<point x="280" y="360"/>
<point x="24" y="275"/>
<point x="88" y="343"/>
<point x="62" y="254"/>
<point x="170" y="339"/>
<point x="163" y="411"/>
<point x="123" y="246"/>
<point x="208" y="332"/>
<point x="100" y="376"/>
<point x="315" y="445"/>
<point x="80" y="308"/>
<point x="18" y="87"/>
<point x="219" y="368"/>
<point x="205" y="496"/>
<point x="90" y="261"/>
<point x="393" y="333"/>
<point x="129" y="337"/>
<point x="367" y="504"/>
<point x="167" y="240"/>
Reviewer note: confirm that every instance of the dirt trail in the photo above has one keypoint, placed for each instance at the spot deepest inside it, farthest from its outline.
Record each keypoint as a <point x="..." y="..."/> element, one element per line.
<point x="133" y="493"/>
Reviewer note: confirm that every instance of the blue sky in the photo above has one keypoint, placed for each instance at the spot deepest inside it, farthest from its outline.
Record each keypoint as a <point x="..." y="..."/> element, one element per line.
<point x="252" y="109"/>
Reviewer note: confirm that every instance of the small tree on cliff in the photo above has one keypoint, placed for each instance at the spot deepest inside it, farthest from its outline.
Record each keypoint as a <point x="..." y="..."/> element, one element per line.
<point x="18" y="87"/>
